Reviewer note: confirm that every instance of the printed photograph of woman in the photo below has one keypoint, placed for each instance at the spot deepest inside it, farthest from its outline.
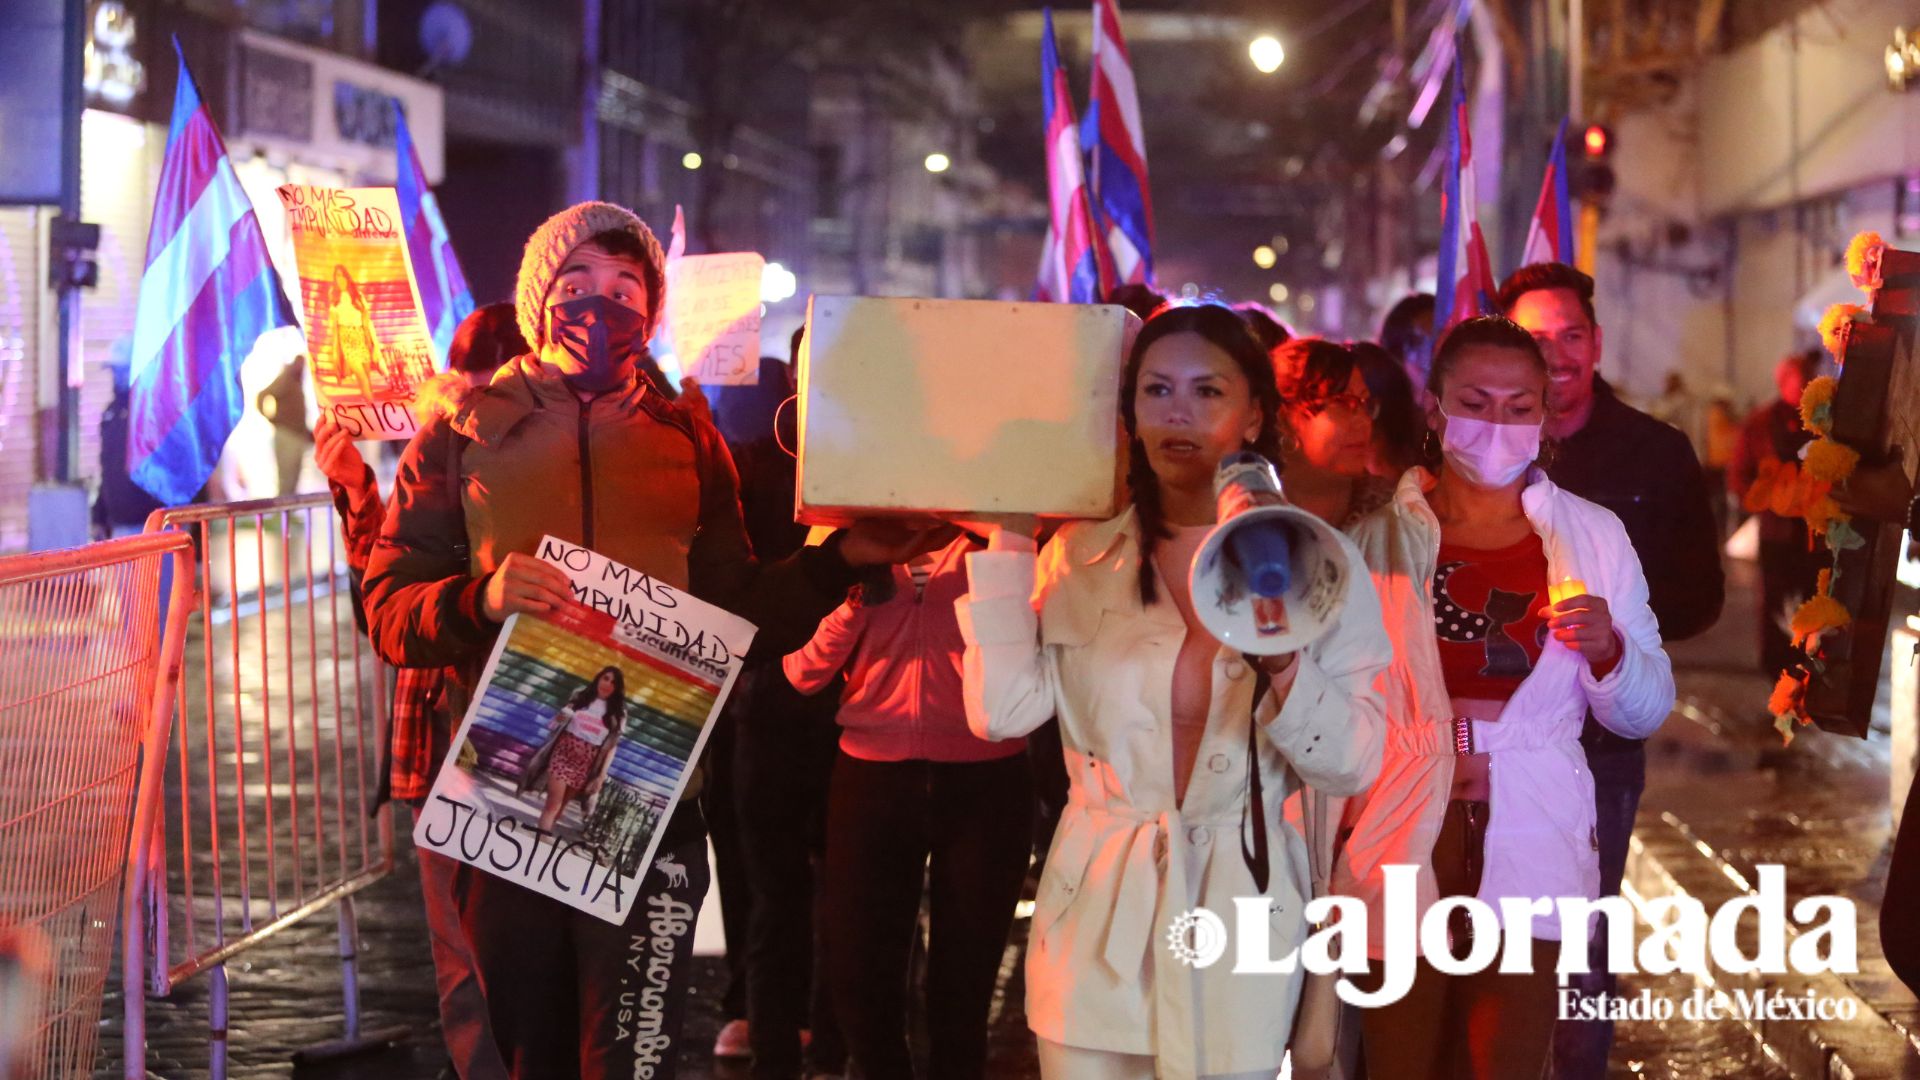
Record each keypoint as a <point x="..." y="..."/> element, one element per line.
<point x="352" y="351"/>
<point x="573" y="762"/>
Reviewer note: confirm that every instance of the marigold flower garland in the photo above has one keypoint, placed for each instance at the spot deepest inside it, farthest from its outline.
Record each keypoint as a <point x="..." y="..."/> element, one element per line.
<point x="1803" y="490"/>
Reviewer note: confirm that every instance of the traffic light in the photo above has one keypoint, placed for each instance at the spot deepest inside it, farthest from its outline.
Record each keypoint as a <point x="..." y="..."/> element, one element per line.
<point x="1594" y="176"/>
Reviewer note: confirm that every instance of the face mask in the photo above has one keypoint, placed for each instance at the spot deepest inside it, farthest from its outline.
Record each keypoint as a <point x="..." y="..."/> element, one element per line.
<point x="1489" y="455"/>
<point x="600" y="332"/>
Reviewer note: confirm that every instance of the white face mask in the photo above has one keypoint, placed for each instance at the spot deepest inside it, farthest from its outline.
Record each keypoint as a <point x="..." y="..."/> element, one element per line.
<point x="1489" y="455"/>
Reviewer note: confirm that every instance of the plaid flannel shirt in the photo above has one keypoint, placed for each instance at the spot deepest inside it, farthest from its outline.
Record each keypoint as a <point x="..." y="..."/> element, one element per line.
<point x="415" y="744"/>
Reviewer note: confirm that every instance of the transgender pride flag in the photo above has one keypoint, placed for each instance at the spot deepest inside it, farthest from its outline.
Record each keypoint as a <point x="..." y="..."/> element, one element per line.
<point x="444" y="296"/>
<point x="1073" y="266"/>
<point x="1464" y="286"/>
<point x="208" y="293"/>
<point x="1550" y="235"/>
<point x="1119" y="152"/>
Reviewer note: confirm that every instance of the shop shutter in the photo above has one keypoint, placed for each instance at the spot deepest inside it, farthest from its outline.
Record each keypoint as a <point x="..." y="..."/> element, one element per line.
<point x="120" y="163"/>
<point x="22" y="288"/>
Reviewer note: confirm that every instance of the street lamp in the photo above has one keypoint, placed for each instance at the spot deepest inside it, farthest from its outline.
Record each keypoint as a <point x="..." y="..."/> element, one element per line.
<point x="1264" y="257"/>
<point x="777" y="283"/>
<point x="1266" y="53"/>
<point x="938" y="163"/>
<point x="690" y="160"/>
<point x="1278" y="292"/>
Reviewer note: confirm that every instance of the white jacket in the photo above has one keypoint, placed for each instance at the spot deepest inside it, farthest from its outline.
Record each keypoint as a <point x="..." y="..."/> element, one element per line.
<point x="1125" y="859"/>
<point x="1540" y="832"/>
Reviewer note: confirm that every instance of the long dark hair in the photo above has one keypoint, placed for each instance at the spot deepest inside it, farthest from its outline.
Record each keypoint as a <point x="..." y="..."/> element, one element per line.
<point x="1223" y="328"/>
<point x="352" y="291"/>
<point x="616" y="703"/>
<point x="1399" y="427"/>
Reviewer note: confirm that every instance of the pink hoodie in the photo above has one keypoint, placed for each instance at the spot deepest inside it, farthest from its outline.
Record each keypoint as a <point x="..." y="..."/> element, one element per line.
<point x="903" y="700"/>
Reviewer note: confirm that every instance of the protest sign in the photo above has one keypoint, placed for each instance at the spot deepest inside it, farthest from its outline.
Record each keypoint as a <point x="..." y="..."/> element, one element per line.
<point x="366" y="338"/>
<point x="582" y="735"/>
<point x="917" y="407"/>
<point x="713" y="316"/>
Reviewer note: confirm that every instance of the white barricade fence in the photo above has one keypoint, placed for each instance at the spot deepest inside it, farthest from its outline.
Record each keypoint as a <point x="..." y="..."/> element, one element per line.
<point x="269" y="814"/>
<point x="89" y="638"/>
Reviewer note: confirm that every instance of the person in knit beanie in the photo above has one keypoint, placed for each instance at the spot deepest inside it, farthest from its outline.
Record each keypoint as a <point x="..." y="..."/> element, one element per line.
<point x="574" y="237"/>
<point x="576" y="440"/>
<point x="616" y="231"/>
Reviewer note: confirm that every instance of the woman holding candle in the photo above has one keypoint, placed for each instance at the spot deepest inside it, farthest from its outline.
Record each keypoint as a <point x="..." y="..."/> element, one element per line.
<point x="1515" y="608"/>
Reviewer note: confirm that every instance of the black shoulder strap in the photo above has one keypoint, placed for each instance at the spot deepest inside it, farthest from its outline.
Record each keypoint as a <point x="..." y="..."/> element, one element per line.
<point x="457" y="442"/>
<point x="1258" y="860"/>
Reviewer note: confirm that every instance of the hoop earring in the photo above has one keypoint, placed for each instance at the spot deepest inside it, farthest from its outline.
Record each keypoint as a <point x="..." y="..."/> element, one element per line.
<point x="1430" y="446"/>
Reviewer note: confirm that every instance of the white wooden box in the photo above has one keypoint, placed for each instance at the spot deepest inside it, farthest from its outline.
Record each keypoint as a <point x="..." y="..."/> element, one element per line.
<point x="943" y="406"/>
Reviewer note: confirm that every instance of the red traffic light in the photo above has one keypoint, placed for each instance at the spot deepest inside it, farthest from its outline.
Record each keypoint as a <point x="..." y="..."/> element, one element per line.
<point x="1597" y="140"/>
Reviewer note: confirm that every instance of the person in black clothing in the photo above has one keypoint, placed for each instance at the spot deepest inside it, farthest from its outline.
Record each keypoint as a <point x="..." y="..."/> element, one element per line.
<point x="783" y="746"/>
<point x="1647" y="474"/>
<point x="1789" y="566"/>
<point x="122" y="506"/>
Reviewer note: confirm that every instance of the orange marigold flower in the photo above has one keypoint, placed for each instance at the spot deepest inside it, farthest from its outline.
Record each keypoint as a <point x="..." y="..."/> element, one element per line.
<point x="1823" y="513"/>
<point x="1832" y="325"/>
<point x="1831" y="461"/>
<point x="1760" y="493"/>
<point x="1784" y="499"/>
<point x="1818" y="395"/>
<point x="1863" y="260"/>
<point x="1786" y="696"/>
<point x="1807" y="492"/>
<point x="1816" y="616"/>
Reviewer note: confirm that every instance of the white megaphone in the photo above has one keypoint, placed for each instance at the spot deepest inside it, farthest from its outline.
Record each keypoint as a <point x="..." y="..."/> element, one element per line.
<point x="1270" y="578"/>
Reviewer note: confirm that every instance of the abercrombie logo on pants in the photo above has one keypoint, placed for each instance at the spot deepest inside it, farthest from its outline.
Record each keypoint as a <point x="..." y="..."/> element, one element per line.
<point x="650" y="956"/>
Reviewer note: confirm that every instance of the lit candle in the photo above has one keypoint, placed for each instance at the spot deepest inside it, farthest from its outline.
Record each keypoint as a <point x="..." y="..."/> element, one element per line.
<point x="1566" y="589"/>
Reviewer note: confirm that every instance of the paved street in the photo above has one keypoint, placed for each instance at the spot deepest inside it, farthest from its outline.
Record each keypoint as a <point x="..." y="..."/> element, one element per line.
<point x="1721" y="794"/>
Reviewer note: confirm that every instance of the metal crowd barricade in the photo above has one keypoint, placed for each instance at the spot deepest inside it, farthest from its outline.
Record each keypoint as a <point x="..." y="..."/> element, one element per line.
<point x="282" y="714"/>
<point x="88" y="637"/>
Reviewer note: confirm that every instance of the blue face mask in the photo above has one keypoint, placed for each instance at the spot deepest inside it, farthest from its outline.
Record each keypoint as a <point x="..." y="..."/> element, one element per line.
<point x="602" y="334"/>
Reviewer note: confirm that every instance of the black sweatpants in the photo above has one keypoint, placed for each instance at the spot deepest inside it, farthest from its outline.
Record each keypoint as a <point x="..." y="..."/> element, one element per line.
<point x="574" y="997"/>
<point x="717" y="804"/>
<point x="783" y="754"/>
<point x="963" y="830"/>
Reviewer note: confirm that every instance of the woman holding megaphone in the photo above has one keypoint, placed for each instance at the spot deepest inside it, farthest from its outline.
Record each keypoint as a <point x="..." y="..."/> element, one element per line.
<point x="1515" y="608"/>
<point x="1179" y="751"/>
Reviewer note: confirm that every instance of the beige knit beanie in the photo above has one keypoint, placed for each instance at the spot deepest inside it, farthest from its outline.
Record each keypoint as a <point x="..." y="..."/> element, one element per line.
<point x="555" y="239"/>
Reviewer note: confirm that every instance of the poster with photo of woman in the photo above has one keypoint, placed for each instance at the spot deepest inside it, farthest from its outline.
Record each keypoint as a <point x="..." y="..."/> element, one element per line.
<point x="583" y="734"/>
<point x="360" y="307"/>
